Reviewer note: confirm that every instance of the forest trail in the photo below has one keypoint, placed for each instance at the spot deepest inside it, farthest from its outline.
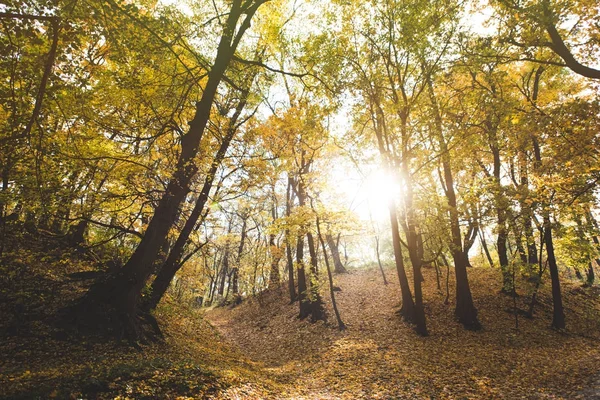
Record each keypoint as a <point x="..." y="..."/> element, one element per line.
<point x="379" y="356"/>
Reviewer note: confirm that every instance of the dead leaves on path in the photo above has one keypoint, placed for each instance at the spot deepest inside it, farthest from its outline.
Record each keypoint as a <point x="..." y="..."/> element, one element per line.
<point x="379" y="356"/>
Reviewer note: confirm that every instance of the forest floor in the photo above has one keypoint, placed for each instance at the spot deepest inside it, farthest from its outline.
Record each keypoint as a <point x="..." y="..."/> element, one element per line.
<point x="260" y="350"/>
<point x="379" y="356"/>
<point x="40" y="360"/>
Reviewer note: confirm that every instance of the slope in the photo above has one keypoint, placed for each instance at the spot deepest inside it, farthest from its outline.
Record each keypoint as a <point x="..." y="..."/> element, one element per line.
<point x="40" y="359"/>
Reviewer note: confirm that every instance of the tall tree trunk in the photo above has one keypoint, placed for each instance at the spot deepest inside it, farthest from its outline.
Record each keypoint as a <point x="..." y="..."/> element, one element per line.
<point x="385" y="282"/>
<point x="173" y="262"/>
<point x="341" y="325"/>
<point x="465" y="310"/>
<point x="593" y="226"/>
<point x="303" y="298"/>
<point x="310" y="303"/>
<point x="532" y="257"/>
<point x="407" y="311"/>
<point x="558" y="315"/>
<point x="335" y="255"/>
<point x="502" y="238"/>
<point x="122" y="290"/>
<point x="316" y="303"/>
<point x="274" y="277"/>
<point x="288" y="247"/>
<point x="485" y="248"/>
<point x="415" y="251"/>
<point x="234" y="286"/>
<point x="408" y="306"/>
<point x="224" y="271"/>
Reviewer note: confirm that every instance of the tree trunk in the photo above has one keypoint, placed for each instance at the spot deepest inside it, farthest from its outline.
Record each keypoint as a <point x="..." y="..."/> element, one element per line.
<point x="407" y="311"/>
<point x="485" y="248"/>
<point x="589" y="275"/>
<point x="385" y="282"/>
<point x="558" y="315"/>
<point x="310" y="303"/>
<point x="335" y="255"/>
<point x="501" y="246"/>
<point x="173" y="262"/>
<point x="408" y="306"/>
<point x="302" y="285"/>
<point x="274" y="277"/>
<point x="465" y="310"/>
<point x="119" y="295"/>
<point x="316" y="303"/>
<point x="415" y="252"/>
<point x="341" y="325"/>
<point x="288" y="246"/>
<point x="238" y="261"/>
<point x="224" y="271"/>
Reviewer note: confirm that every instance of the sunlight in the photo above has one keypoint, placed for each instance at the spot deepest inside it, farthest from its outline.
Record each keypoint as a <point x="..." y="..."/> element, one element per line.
<point x="378" y="189"/>
<point x="367" y="196"/>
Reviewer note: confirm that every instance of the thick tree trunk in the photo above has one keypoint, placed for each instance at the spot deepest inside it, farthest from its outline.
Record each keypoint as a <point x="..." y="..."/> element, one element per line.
<point x="415" y="252"/>
<point x="173" y="262"/>
<point x="310" y="303"/>
<point x="558" y="315"/>
<point x="316" y="303"/>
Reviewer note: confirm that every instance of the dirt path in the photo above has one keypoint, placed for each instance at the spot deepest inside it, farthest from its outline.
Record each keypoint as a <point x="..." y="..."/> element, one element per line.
<point x="380" y="357"/>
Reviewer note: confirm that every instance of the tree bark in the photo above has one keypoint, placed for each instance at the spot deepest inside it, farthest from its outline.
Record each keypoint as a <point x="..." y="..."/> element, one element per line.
<point x="408" y="306"/>
<point x="173" y="262"/>
<point x="560" y="48"/>
<point x="485" y="248"/>
<point x="274" y="277"/>
<point x="303" y="298"/>
<point x="341" y="325"/>
<point x="288" y="247"/>
<point x="465" y="310"/>
<point x="558" y="315"/>
<point x="385" y="282"/>
<point x="335" y="255"/>
<point x="122" y="290"/>
<point x="316" y="303"/>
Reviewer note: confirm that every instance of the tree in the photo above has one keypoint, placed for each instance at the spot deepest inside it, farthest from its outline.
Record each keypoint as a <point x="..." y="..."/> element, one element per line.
<point x="121" y="291"/>
<point x="536" y="25"/>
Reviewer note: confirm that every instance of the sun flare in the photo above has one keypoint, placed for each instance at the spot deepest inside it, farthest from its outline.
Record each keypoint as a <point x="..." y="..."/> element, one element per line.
<point x="368" y="195"/>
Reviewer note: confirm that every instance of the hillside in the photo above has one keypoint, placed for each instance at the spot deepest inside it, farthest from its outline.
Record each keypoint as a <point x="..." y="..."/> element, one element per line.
<point x="41" y="359"/>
